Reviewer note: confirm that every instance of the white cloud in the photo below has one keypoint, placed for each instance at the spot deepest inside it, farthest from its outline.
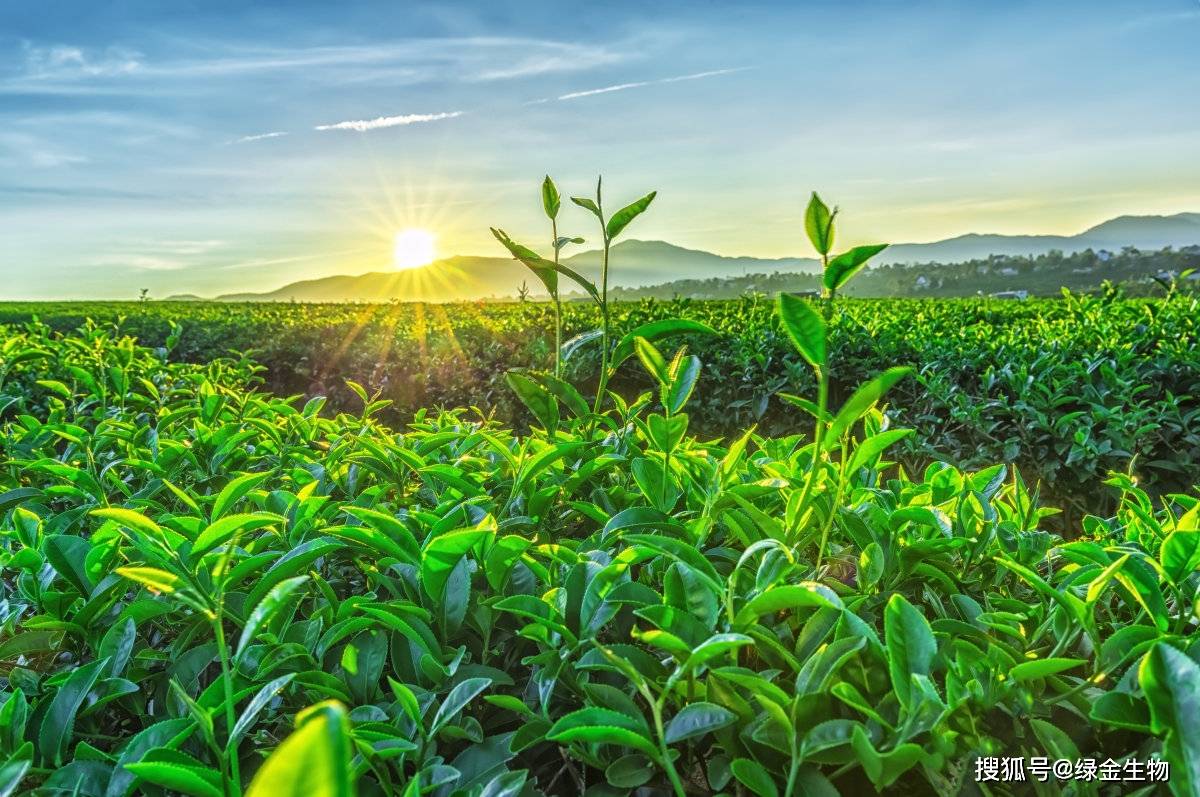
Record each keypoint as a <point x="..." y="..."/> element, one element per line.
<point x="25" y="149"/>
<point x="71" y="69"/>
<point x="640" y="83"/>
<point x="605" y="90"/>
<point x="363" y="125"/>
<point x="65" y="62"/>
<point x="260" y="136"/>
<point x="139" y="262"/>
<point x="553" y="57"/>
<point x="709" y="73"/>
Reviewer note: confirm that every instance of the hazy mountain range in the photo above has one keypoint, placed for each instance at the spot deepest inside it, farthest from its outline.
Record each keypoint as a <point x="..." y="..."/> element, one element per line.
<point x="640" y="263"/>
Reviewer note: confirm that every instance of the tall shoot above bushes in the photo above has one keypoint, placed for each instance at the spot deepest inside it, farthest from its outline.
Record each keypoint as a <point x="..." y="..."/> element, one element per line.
<point x="542" y="392"/>
<point x="808" y="330"/>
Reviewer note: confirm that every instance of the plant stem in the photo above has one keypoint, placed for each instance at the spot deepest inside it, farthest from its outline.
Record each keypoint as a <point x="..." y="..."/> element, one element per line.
<point x="837" y="501"/>
<point x="227" y="679"/>
<point x="668" y="764"/>
<point x="600" y="388"/>
<point x="557" y="335"/>
<point x="557" y="304"/>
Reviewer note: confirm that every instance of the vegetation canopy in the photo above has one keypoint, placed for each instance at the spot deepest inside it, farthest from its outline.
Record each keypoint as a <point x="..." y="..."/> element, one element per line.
<point x="210" y="589"/>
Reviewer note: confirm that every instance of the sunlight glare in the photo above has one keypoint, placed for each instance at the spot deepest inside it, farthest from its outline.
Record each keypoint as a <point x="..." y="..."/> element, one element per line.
<point x="413" y="248"/>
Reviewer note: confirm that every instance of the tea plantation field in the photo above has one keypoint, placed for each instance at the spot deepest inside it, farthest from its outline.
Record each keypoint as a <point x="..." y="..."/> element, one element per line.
<point x="792" y="547"/>
<point x="1067" y="388"/>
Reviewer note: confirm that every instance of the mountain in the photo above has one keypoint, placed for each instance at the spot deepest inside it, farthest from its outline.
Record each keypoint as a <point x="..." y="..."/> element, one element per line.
<point x="1141" y="232"/>
<point x="447" y="280"/>
<point x="648" y="262"/>
<point x="643" y="263"/>
<point x="458" y="278"/>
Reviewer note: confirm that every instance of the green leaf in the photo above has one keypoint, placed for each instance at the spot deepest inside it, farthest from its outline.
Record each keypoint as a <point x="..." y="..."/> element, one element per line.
<point x="58" y="724"/>
<point x="456" y="701"/>
<point x="68" y="554"/>
<point x="234" y="491"/>
<point x="1171" y="682"/>
<point x="754" y="777"/>
<point x="629" y="771"/>
<point x="506" y="784"/>
<point x="1142" y="582"/>
<point x="571" y="398"/>
<point x="542" y="268"/>
<point x="579" y="341"/>
<point x="271" y="603"/>
<point x="715" y="645"/>
<point x="846" y="265"/>
<point x="870" y="448"/>
<point x="12" y="772"/>
<point x="580" y="280"/>
<point x="910" y="645"/>
<point x="131" y="519"/>
<point x="818" y="224"/>
<point x="588" y="204"/>
<point x="442" y="554"/>
<point x="14" y="713"/>
<point x="808" y="594"/>
<point x="652" y="359"/>
<point x="884" y="768"/>
<point x="221" y="531"/>
<point x="1040" y="668"/>
<point x="1121" y="710"/>
<point x="697" y="719"/>
<point x="656" y="330"/>
<point x="682" y="383"/>
<point x="551" y="201"/>
<point x="152" y="577"/>
<point x="620" y="220"/>
<point x="1065" y="599"/>
<point x="805" y="327"/>
<point x="249" y="714"/>
<point x="165" y="734"/>
<point x="862" y="400"/>
<point x="603" y="726"/>
<point x="540" y="401"/>
<point x="1180" y="555"/>
<point x="191" y="779"/>
<point x="314" y="761"/>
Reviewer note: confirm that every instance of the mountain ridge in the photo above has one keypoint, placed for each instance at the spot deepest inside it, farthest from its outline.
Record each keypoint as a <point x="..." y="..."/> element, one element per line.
<point x="640" y="263"/>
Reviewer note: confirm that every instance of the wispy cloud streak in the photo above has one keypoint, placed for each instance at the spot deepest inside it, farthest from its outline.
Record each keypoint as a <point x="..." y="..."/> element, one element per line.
<point x="261" y="136"/>
<point x="642" y="83"/>
<point x="363" y="125"/>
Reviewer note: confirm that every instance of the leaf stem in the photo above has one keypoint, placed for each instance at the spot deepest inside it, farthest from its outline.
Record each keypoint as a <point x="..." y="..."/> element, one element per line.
<point x="227" y="681"/>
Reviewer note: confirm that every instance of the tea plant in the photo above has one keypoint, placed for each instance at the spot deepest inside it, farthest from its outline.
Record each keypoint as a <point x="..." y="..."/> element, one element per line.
<point x="1068" y="388"/>
<point x="541" y="394"/>
<point x="209" y="589"/>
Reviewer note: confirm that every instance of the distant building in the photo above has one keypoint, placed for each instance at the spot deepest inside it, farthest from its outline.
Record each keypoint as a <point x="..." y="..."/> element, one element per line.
<point x="922" y="281"/>
<point x="1008" y="271"/>
<point x="1017" y="295"/>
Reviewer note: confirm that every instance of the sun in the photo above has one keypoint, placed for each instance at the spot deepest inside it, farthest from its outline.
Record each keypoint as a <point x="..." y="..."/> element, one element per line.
<point x="413" y="248"/>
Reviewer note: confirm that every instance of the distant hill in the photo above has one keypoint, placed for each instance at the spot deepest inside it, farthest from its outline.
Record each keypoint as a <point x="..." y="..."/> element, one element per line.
<point x="1141" y="232"/>
<point x="447" y="280"/>
<point x="645" y="263"/>
<point x="649" y="262"/>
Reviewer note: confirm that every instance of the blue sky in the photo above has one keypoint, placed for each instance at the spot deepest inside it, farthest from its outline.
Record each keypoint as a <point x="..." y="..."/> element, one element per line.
<point x="215" y="146"/>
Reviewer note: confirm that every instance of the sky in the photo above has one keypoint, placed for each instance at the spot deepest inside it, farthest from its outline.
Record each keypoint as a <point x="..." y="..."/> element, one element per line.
<point x="211" y="147"/>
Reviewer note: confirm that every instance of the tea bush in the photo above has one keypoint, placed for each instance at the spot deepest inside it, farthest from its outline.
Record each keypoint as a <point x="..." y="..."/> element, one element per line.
<point x="213" y="590"/>
<point x="1069" y="388"/>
